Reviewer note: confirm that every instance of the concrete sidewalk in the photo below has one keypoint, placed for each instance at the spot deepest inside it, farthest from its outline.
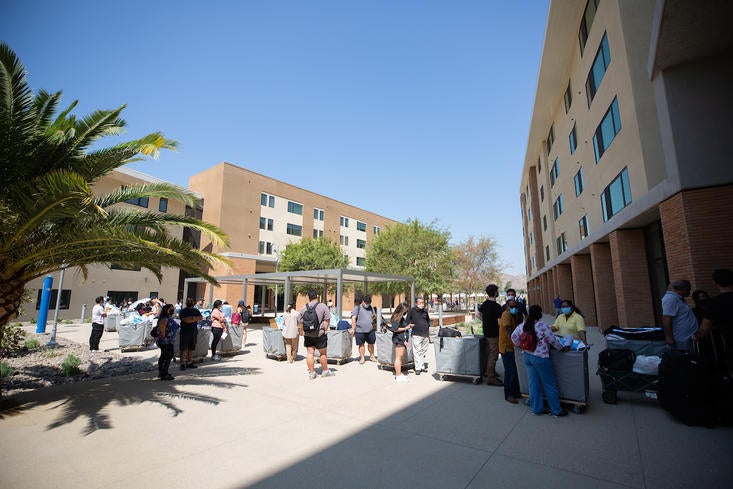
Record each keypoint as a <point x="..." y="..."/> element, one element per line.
<point x="249" y="421"/>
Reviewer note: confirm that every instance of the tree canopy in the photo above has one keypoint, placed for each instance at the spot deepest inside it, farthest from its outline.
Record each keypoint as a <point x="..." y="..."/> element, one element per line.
<point x="51" y="216"/>
<point x="312" y="254"/>
<point x="477" y="264"/>
<point x="413" y="249"/>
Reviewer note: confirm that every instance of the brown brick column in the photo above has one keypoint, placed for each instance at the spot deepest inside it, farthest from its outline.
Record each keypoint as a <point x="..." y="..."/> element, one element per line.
<point x="698" y="234"/>
<point x="631" y="276"/>
<point x="583" y="294"/>
<point x="544" y="284"/>
<point x="550" y="291"/>
<point x="603" y="285"/>
<point x="564" y="277"/>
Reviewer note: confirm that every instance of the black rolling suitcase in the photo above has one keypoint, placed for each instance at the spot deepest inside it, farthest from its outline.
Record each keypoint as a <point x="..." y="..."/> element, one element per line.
<point x="687" y="388"/>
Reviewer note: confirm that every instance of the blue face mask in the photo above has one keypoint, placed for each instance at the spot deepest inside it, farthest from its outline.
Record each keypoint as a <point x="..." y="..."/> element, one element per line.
<point x="512" y="310"/>
<point x="566" y="310"/>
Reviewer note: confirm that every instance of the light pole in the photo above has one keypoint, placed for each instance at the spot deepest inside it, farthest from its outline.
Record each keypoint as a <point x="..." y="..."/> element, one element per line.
<point x="276" y="251"/>
<point x="52" y="340"/>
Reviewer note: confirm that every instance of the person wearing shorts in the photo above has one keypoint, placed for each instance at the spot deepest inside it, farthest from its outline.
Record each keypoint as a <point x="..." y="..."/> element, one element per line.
<point x="189" y="317"/>
<point x="316" y="340"/>
<point x="362" y="327"/>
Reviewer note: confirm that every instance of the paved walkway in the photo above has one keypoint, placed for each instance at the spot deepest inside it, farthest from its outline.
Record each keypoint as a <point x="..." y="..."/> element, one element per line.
<point x="249" y="421"/>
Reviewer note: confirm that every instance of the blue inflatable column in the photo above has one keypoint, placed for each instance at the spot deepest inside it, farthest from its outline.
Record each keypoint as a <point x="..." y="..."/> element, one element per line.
<point x="45" y="299"/>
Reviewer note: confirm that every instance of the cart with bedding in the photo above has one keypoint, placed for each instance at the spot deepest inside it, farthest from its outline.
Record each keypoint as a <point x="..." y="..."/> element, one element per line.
<point x="619" y="375"/>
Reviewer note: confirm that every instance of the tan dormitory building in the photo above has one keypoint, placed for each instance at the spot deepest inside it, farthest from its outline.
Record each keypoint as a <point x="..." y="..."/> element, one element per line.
<point x="262" y="216"/>
<point x="110" y="279"/>
<point x="627" y="181"/>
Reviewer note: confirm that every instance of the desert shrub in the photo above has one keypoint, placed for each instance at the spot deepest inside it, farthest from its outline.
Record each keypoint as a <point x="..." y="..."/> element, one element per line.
<point x="70" y="366"/>
<point x="13" y="337"/>
<point x="6" y="370"/>
<point x="31" y="344"/>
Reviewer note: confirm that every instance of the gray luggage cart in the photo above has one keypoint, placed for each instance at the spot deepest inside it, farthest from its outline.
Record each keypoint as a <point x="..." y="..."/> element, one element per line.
<point x="132" y="336"/>
<point x="204" y="336"/>
<point x="458" y="357"/>
<point x="112" y="322"/>
<point x="273" y="343"/>
<point x="613" y="381"/>
<point x="385" y="351"/>
<point x="233" y="342"/>
<point x="571" y="374"/>
<point x="339" y="346"/>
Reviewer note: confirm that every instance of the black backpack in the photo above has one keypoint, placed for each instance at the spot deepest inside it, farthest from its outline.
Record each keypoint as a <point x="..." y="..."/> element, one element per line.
<point x="245" y="316"/>
<point x="310" y="319"/>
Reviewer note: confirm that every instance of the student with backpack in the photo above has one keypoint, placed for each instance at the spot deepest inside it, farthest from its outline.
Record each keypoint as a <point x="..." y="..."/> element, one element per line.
<point x="241" y="317"/>
<point x="535" y="337"/>
<point x="314" y="318"/>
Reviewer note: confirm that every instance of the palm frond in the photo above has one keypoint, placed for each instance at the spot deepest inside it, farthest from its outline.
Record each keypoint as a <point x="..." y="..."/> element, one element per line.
<point x="45" y="105"/>
<point x="162" y="189"/>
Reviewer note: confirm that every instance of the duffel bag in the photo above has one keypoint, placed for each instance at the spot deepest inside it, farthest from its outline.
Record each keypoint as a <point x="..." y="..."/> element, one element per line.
<point x="616" y="359"/>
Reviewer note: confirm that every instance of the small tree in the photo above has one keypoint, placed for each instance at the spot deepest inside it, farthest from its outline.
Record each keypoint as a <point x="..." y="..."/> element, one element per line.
<point x="312" y="254"/>
<point x="414" y="249"/>
<point x="476" y="263"/>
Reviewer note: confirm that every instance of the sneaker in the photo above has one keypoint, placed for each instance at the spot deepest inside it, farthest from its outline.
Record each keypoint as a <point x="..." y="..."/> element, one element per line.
<point x="167" y="377"/>
<point x="312" y="375"/>
<point x="361" y="361"/>
<point x="401" y="378"/>
<point x="183" y="366"/>
<point x="216" y="357"/>
<point x="417" y="371"/>
<point x="328" y="373"/>
<point x="512" y="400"/>
<point x="495" y="382"/>
<point x="191" y="365"/>
<point x="561" y="414"/>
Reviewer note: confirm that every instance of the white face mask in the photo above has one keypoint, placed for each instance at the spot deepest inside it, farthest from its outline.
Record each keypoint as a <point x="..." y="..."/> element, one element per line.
<point x="421" y="306"/>
<point x="509" y="297"/>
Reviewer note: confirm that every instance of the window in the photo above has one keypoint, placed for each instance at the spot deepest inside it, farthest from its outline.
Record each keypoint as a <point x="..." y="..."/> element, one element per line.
<point x="562" y="244"/>
<point x="534" y="265"/>
<point x="360" y="261"/>
<point x="554" y="172"/>
<point x="573" y="139"/>
<point x="376" y="230"/>
<point x="583" y="227"/>
<point x="529" y="214"/>
<point x="558" y="207"/>
<point x="550" y="138"/>
<point x="616" y="196"/>
<point x="542" y="193"/>
<point x="295" y="208"/>
<point x="568" y="98"/>
<point x="544" y="223"/>
<point x="360" y="226"/>
<point x="318" y="214"/>
<point x="547" y="252"/>
<point x="65" y="299"/>
<point x="579" y="185"/>
<point x="267" y="200"/>
<point x="539" y="166"/>
<point x="317" y="233"/>
<point x="607" y="130"/>
<point x="344" y="240"/>
<point x="531" y="238"/>
<point x="139" y="201"/>
<point x="266" y="223"/>
<point x="163" y="204"/>
<point x="294" y="230"/>
<point x="265" y="248"/>
<point x="360" y="243"/>
<point x="585" y="24"/>
<point x="600" y="64"/>
<point x="344" y="221"/>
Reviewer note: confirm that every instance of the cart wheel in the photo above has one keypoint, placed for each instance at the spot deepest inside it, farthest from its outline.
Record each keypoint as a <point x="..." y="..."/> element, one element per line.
<point x="442" y="378"/>
<point x="577" y="409"/>
<point x="609" y="397"/>
<point x="477" y="381"/>
<point x="379" y="367"/>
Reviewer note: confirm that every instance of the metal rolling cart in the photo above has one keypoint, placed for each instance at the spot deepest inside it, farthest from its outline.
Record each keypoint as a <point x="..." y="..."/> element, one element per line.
<point x="459" y="357"/>
<point x="385" y="351"/>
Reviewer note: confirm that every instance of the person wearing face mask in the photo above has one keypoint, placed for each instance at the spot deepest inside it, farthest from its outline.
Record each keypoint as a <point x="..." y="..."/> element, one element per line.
<point x="509" y="322"/>
<point x="521" y="307"/>
<point x="362" y="327"/>
<point x="419" y="320"/>
<point x="570" y="321"/>
<point x="700" y="298"/>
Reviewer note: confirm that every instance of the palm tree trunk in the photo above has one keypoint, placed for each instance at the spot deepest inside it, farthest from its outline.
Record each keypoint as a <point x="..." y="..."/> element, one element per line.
<point x="11" y="294"/>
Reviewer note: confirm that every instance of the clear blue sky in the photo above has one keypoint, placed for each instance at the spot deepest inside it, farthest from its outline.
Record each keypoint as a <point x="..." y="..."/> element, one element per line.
<point x="429" y="100"/>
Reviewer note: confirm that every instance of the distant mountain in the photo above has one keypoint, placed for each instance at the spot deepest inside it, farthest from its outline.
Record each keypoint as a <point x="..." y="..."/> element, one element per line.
<point x="519" y="282"/>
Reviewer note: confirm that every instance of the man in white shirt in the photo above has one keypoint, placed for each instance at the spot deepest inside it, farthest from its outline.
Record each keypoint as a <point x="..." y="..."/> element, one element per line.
<point x="98" y="315"/>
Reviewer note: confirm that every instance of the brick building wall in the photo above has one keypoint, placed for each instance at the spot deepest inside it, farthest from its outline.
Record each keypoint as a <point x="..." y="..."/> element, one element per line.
<point x="631" y="278"/>
<point x="604" y="285"/>
<point x="583" y="292"/>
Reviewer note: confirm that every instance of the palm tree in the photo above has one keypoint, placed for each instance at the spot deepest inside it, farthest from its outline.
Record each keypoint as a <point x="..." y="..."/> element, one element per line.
<point x="50" y="215"/>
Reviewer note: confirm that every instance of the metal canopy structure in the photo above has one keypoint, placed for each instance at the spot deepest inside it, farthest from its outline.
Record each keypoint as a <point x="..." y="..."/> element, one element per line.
<point x="340" y="276"/>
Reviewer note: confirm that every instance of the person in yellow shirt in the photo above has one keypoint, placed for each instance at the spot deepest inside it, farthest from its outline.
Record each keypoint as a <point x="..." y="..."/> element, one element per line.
<point x="510" y="317"/>
<point x="570" y="321"/>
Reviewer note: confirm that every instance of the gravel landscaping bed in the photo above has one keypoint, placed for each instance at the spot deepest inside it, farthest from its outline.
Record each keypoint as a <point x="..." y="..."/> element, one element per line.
<point x="41" y="367"/>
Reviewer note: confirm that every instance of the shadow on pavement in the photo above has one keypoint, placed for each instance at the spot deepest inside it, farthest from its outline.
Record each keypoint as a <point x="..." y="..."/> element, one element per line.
<point x="88" y="400"/>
